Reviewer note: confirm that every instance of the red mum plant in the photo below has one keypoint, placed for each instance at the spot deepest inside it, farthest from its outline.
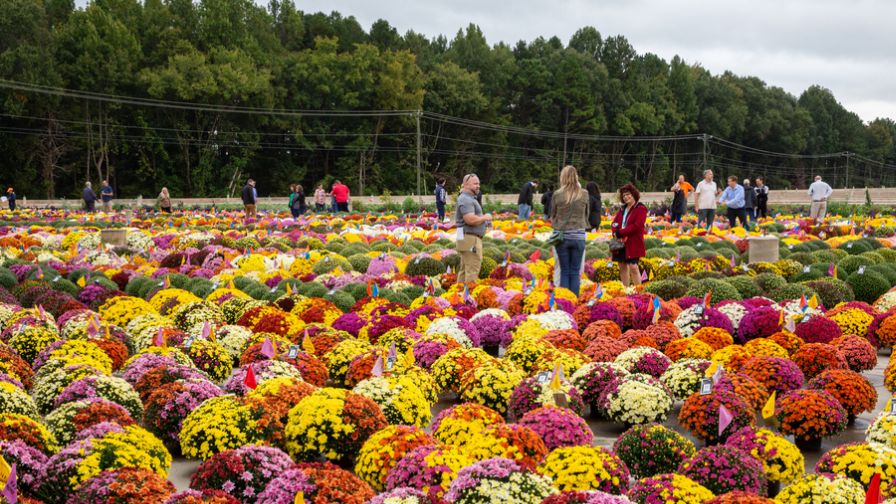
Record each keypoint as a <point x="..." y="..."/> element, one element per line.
<point x="700" y="414"/>
<point x="605" y="349"/>
<point x="566" y="338"/>
<point x="860" y="353"/>
<point x="853" y="391"/>
<point x="814" y="358"/>
<point x="602" y="328"/>
<point x="810" y="414"/>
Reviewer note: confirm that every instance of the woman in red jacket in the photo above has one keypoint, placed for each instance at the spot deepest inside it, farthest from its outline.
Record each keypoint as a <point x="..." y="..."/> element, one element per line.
<point x="628" y="227"/>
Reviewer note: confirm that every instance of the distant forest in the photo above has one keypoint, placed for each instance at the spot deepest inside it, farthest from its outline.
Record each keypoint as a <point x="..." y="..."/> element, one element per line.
<point x="199" y="95"/>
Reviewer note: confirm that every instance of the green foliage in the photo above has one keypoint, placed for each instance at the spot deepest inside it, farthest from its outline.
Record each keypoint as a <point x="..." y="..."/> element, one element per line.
<point x="744" y="285"/>
<point x="425" y="265"/>
<point x="868" y="287"/>
<point x="721" y="290"/>
<point x="488" y="264"/>
<point x="342" y="299"/>
<point x="768" y="282"/>
<point x="791" y="291"/>
<point x="359" y="262"/>
<point x="851" y="264"/>
<point x="7" y="279"/>
<point x="666" y="289"/>
<point x="832" y="291"/>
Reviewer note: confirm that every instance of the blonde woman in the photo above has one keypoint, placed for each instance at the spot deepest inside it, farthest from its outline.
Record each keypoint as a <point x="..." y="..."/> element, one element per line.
<point x="569" y="215"/>
<point x="165" y="200"/>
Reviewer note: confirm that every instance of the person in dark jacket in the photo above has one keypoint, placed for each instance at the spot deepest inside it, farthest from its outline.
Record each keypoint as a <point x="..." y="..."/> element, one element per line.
<point x="297" y="205"/>
<point x="595" y="205"/>
<point x="761" y="198"/>
<point x="749" y="201"/>
<point x="441" y="198"/>
<point x="250" y="197"/>
<point x="11" y="198"/>
<point x="546" y="201"/>
<point x="525" y="200"/>
<point x="680" y="191"/>
<point x="89" y="197"/>
<point x="629" y="227"/>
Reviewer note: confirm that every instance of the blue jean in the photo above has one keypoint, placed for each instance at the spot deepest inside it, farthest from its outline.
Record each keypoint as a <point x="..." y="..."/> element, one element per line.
<point x="570" y="253"/>
<point x="440" y="209"/>
<point x="524" y="211"/>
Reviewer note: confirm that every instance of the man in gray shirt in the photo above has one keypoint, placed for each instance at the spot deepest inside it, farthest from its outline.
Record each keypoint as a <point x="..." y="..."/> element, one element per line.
<point x="470" y="223"/>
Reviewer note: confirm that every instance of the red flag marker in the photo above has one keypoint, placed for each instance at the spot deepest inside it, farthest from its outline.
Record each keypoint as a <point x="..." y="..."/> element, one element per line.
<point x="249" y="380"/>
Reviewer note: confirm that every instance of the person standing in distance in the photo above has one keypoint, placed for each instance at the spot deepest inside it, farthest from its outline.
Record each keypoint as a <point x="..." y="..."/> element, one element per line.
<point x="89" y="197"/>
<point x="569" y="214"/>
<point x="340" y="194"/>
<point x="546" y="201"/>
<point x="524" y="202"/>
<point x="629" y="227"/>
<point x="471" y="223"/>
<point x="164" y="200"/>
<point x="250" y="197"/>
<point x="320" y="199"/>
<point x="680" y="191"/>
<point x="106" y="195"/>
<point x="11" y="199"/>
<point x="441" y="198"/>
<point x="749" y="200"/>
<point x="819" y="192"/>
<point x="761" y="198"/>
<point x="733" y="197"/>
<point x="705" y="200"/>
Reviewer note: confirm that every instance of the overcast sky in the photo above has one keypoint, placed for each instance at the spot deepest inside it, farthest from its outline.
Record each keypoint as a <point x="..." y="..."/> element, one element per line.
<point x="847" y="46"/>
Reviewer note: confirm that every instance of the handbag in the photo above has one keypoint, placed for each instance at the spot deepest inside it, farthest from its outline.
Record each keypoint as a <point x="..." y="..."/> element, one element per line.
<point x="617" y="246"/>
<point x="556" y="238"/>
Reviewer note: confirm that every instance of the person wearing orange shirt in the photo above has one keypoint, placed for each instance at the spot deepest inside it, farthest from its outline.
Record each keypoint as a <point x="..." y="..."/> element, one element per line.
<point x="680" y="191"/>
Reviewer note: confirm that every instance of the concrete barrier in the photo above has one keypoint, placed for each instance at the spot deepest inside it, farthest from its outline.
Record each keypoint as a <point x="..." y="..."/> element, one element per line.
<point x="879" y="196"/>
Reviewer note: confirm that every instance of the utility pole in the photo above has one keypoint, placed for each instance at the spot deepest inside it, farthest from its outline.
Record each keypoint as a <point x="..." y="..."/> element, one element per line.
<point x="847" y="168"/>
<point x="565" y="133"/>
<point x="705" y="153"/>
<point x="419" y="151"/>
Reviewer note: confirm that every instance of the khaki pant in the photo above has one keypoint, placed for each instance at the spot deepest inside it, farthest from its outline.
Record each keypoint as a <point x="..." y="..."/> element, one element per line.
<point x="107" y="206"/>
<point x="250" y="211"/>
<point x="819" y="210"/>
<point x="470" y="251"/>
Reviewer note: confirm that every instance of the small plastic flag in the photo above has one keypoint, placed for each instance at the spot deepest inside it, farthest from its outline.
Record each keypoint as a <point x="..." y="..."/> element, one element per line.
<point x="10" y="488"/>
<point x="790" y="325"/>
<point x="873" y="494"/>
<point x="656" y="309"/>
<point x="249" y="380"/>
<point x="230" y="284"/>
<point x="307" y="344"/>
<point x="375" y="290"/>
<point x="768" y="410"/>
<point x="392" y="353"/>
<point x="535" y="255"/>
<point x="599" y="293"/>
<point x="82" y="282"/>
<point x="804" y="305"/>
<point x="289" y="289"/>
<point x="409" y="358"/>
<point x="706" y="298"/>
<point x="206" y="330"/>
<point x="160" y="338"/>
<point x="781" y="318"/>
<point x="678" y="256"/>
<point x="377" y="367"/>
<point x="725" y="418"/>
<point x="644" y="276"/>
<point x="467" y="297"/>
<point x="552" y="302"/>
<point x="720" y="370"/>
<point x="832" y="270"/>
<point x="557" y="378"/>
<point x="813" y="302"/>
<point x="300" y="498"/>
<point x="733" y="262"/>
<point x="267" y="349"/>
<point x="167" y="282"/>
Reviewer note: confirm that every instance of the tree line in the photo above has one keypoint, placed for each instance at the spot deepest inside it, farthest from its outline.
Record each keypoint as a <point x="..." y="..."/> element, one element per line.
<point x="485" y="106"/>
